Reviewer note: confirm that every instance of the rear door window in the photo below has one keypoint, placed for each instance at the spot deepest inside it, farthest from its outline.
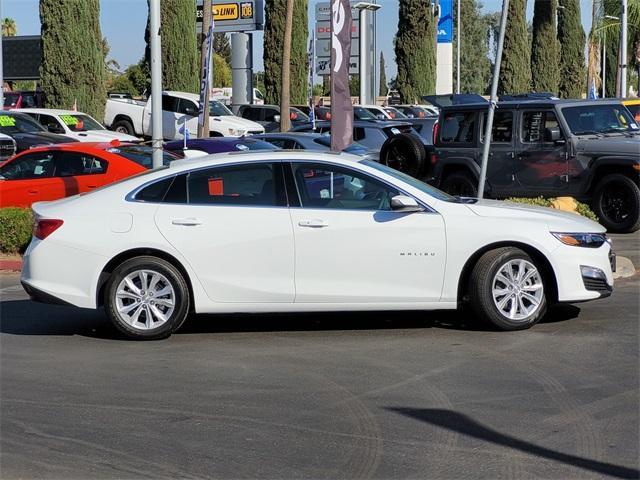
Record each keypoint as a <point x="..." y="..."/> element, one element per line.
<point x="72" y="164"/>
<point x="458" y="127"/>
<point x="169" y="103"/>
<point x="502" y="130"/>
<point x="30" y="166"/>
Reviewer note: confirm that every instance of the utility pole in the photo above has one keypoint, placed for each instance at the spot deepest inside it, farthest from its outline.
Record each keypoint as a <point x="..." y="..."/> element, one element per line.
<point x="156" y="83"/>
<point x="458" y="20"/>
<point x="205" y="59"/>
<point x="623" y="50"/>
<point x="492" y="103"/>
<point x="285" y="88"/>
<point x="1" y="67"/>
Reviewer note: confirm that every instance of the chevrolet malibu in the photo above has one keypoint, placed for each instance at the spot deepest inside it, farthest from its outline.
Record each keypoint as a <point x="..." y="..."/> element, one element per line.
<point x="301" y="232"/>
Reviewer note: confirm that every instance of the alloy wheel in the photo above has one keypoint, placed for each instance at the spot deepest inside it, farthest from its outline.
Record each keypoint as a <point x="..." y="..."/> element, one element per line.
<point x="145" y="299"/>
<point x="517" y="289"/>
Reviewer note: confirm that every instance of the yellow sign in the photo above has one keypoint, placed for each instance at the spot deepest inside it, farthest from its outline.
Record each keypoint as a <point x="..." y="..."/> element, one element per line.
<point x="247" y="10"/>
<point x="226" y="11"/>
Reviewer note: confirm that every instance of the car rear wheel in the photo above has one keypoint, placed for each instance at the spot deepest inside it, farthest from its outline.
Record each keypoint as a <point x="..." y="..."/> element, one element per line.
<point x="507" y="289"/>
<point x="123" y="126"/>
<point x="146" y="298"/>
<point x="460" y="184"/>
<point x="405" y="153"/>
<point x="616" y="202"/>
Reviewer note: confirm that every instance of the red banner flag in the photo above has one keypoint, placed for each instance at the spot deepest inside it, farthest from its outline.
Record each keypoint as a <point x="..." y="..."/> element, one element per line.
<point x="341" y="107"/>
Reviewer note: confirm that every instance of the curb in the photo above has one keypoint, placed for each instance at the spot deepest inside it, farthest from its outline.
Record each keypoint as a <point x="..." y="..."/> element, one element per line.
<point x="11" y="265"/>
<point x="624" y="268"/>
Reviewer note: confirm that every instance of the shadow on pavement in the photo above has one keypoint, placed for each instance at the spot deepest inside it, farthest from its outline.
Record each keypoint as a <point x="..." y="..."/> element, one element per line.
<point x="24" y="317"/>
<point x="467" y="426"/>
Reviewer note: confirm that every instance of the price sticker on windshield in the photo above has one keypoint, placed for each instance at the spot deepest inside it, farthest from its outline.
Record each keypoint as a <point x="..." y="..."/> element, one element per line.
<point x="6" y="121"/>
<point x="69" y="119"/>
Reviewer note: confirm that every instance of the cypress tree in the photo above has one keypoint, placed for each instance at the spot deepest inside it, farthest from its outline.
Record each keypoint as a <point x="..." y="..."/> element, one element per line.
<point x="545" y="50"/>
<point x="572" y="42"/>
<point x="180" y="58"/>
<point x="72" y="68"/>
<point x="273" y="35"/>
<point x="515" y="68"/>
<point x="475" y="66"/>
<point x="383" y="77"/>
<point x="415" y="47"/>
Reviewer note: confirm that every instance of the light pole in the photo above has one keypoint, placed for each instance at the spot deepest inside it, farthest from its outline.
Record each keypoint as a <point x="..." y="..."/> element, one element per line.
<point x="1" y="68"/>
<point x="156" y="83"/>
<point x="458" y="47"/>
<point x="604" y="57"/>
<point x="365" y="61"/>
<point x="623" y="50"/>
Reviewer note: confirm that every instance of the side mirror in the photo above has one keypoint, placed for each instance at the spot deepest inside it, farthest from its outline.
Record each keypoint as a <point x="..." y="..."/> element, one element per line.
<point x="405" y="204"/>
<point x="552" y="135"/>
<point x="276" y="118"/>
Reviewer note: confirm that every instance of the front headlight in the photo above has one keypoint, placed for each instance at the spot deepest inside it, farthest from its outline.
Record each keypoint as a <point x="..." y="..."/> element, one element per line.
<point x="589" y="240"/>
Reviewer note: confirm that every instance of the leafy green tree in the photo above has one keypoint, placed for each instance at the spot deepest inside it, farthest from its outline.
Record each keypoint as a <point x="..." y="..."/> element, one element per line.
<point x="545" y="50"/>
<point x="382" y="91"/>
<point x="221" y="72"/>
<point x="222" y="47"/>
<point x="354" y="85"/>
<point x="515" y="68"/>
<point x="273" y="36"/>
<point x="415" y="47"/>
<point x="180" y="59"/>
<point x="72" y="68"/>
<point x="571" y="38"/>
<point x="475" y="66"/>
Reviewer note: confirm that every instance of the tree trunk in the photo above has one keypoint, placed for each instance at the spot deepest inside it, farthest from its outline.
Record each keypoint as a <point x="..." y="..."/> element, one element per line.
<point x="285" y="121"/>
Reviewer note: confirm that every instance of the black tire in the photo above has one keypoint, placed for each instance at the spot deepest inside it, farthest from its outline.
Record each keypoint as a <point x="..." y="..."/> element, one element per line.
<point x="404" y="152"/>
<point x="460" y="184"/>
<point x="616" y="202"/>
<point x="481" y="293"/>
<point x="123" y="126"/>
<point x="169" y="275"/>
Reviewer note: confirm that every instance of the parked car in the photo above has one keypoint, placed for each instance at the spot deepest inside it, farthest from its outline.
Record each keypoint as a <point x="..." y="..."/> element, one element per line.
<point x="424" y="127"/>
<point x="416" y="111"/>
<point x="7" y="147"/>
<point x="28" y="133"/>
<point x="320" y="142"/>
<point x="199" y="147"/>
<point x="179" y="113"/>
<point x="53" y="172"/>
<point x="301" y="232"/>
<point x="78" y="125"/>
<point x="585" y="149"/>
<point x="269" y="116"/>
<point x="14" y="100"/>
<point x="633" y="105"/>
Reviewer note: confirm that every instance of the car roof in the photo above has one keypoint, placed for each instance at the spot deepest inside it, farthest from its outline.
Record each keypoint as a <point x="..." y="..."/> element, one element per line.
<point x="290" y="134"/>
<point x="50" y="111"/>
<point x="525" y="103"/>
<point x="80" y="146"/>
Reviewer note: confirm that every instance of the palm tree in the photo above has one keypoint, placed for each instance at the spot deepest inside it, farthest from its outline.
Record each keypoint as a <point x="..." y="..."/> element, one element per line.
<point x="285" y="91"/>
<point x="9" y="27"/>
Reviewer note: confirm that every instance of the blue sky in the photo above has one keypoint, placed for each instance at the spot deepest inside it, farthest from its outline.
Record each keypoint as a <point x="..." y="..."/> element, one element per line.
<point x="123" y="23"/>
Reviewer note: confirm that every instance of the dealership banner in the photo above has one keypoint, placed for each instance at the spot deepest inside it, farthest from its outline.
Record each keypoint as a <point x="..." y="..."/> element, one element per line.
<point x="341" y="107"/>
<point x="445" y="22"/>
<point x="204" y="81"/>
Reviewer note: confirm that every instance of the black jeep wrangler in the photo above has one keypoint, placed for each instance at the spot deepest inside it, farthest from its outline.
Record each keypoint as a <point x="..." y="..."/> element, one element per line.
<point x="587" y="149"/>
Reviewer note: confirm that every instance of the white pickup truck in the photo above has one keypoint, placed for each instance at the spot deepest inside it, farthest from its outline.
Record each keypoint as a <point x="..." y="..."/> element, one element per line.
<point x="178" y="109"/>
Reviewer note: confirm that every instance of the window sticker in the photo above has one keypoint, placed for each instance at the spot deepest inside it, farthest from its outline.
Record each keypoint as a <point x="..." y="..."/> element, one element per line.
<point x="69" y="119"/>
<point x="216" y="186"/>
<point x="7" y="121"/>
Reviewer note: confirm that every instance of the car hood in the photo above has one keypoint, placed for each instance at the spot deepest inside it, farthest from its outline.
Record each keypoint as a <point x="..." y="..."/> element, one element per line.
<point x="618" y="144"/>
<point x="556" y="220"/>
<point x="103" y="136"/>
<point x="231" y="121"/>
<point x="28" y="140"/>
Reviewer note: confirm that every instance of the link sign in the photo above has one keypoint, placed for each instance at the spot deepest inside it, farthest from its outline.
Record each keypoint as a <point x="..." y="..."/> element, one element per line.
<point x="241" y="16"/>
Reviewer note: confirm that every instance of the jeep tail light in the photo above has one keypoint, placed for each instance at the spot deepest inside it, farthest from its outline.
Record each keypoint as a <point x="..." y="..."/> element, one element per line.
<point x="43" y="227"/>
<point x="433" y="158"/>
<point x="435" y="131"/>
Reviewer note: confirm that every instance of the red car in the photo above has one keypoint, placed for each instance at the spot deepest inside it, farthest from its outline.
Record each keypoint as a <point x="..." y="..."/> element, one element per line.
<point x="58" y="171"/>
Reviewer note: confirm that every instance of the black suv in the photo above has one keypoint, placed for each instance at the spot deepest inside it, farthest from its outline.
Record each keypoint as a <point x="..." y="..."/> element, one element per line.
<point x="585" y="149"/>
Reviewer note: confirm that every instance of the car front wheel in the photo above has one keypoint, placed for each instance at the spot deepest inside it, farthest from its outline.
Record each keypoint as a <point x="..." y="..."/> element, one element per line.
<point x="146" y="298"/>
<point x="508" y="289"/>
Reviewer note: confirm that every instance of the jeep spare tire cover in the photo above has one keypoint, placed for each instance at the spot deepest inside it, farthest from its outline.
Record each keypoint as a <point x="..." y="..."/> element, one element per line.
<point x="404" y="152"/>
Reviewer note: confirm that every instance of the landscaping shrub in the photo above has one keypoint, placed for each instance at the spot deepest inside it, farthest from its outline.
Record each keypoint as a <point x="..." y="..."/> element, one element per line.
<point x="16" y="225"/>
<point x="581" y="209"/>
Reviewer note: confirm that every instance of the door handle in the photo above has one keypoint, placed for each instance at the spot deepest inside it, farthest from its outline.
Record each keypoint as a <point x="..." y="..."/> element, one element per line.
<point x="187" y="222"/>
<point x="92" y="186"/>
<point x="315" y="223"/>
<point x="33" y="192"/>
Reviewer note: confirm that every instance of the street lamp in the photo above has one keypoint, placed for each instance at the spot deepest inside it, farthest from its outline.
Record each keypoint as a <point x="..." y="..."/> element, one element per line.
<point x="365" y="64"/>
<point x="604" y="57"/>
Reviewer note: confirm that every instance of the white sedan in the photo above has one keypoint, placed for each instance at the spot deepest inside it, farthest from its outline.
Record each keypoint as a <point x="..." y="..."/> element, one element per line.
<point x="304" y="231"/>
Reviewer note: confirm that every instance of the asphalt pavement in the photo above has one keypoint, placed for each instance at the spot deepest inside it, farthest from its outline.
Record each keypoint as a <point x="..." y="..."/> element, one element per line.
<point x="377" y="395"/>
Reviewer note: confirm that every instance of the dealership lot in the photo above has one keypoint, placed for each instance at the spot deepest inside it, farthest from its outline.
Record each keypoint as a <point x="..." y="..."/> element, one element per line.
<point x="378" y="395"/>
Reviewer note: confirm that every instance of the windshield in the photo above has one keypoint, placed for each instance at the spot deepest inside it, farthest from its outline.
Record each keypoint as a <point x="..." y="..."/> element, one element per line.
<point x="363" y="114"/>
<point x="414" y="182"/>
<point x="11" y="99"/>
<point x="11" y="124"/>
<point x="217" y="109"/>
<point x="635" y="111"/>
<point x="298" y="115"/>
<point x="599" y="119"/>
<point x="141" y="154"/>
<point x="80" y="123"/>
